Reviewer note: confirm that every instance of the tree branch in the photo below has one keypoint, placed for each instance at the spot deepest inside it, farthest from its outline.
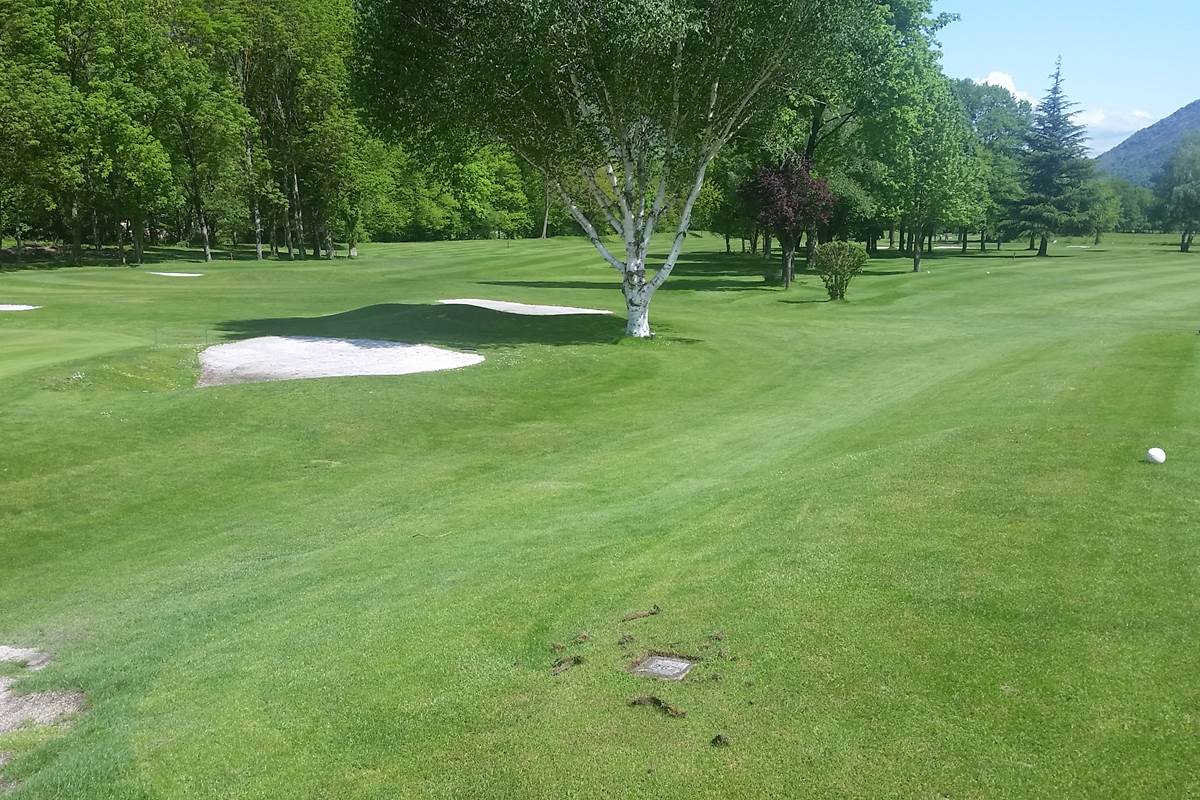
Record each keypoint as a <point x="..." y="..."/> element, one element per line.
<point x="589" y="229"/>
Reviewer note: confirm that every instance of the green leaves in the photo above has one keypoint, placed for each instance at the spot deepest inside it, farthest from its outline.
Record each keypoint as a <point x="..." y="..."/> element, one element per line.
<point x="1057" y="169"/>
<point x="1179" y="187"/>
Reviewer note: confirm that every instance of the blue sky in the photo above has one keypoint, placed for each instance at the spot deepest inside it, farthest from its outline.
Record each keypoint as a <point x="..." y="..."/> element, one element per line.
<point x="1127" y="65"/>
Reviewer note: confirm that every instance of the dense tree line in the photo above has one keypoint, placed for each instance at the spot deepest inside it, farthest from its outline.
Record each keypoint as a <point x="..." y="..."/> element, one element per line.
<point x="199" y="120"/>
<point x="299" y="128"/>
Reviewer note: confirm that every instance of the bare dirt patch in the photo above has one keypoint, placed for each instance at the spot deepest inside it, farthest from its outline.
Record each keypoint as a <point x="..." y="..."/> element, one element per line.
<point x="5" y="784"/>
<point x="657" y="702"/>
<point x="524" y="309"/>
<point x="565" y="663"/>
<point x="25" y="656"/>
<point x="37" y="708"/>
<point x="650" y="612"/>
<point x="284" y="358"/>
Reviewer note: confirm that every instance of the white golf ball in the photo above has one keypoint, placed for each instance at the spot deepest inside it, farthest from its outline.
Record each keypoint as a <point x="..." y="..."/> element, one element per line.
<point x="1156" y="455"/>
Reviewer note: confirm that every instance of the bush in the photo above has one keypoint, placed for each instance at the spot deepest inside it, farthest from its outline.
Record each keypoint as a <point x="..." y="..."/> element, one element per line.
<point x="837" y="263"/>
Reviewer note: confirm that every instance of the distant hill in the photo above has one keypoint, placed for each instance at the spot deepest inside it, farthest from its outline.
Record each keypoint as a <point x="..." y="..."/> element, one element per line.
<point x="1140" y="157"/>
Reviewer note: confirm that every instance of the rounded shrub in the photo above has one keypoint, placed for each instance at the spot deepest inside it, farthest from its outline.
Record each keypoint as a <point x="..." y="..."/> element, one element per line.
<point x="838" y="263"/>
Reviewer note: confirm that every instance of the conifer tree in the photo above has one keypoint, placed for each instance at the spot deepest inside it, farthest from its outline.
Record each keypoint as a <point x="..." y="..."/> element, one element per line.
<point x="1057" y="170"/>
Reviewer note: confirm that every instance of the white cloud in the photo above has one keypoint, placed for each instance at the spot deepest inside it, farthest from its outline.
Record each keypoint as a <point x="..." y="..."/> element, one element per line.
<point x="1005" y="81"/>
<point x="1108" y="129"/>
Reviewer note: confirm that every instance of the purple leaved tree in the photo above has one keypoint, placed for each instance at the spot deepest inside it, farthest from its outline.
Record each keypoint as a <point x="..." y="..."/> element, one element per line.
<point x="789" y="199"/>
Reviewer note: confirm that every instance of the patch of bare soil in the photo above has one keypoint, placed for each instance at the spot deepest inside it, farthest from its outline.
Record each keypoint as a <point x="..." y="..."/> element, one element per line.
<point x="565" y="663"/>
<point x="6" y="785"/>
<point x="652" y="611"/>
<point x="657" y="702"/>
<point x="37" y="708"/>
<point x="26" y="656"/>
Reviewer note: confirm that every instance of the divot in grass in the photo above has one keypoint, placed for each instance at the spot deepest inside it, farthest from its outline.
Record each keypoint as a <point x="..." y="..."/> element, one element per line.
<point x="524" y="309"/>
<point x="657" y="702"/>
<point x="565" y="663"/>
<point x="283" y="358"/>
<point x="650" y="612"/>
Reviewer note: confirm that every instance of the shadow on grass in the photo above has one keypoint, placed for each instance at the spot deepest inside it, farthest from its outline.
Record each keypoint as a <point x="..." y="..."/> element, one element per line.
<point x="447" y="325"/>
<point x="700" y="272"/>
<point x="151" y="256"/>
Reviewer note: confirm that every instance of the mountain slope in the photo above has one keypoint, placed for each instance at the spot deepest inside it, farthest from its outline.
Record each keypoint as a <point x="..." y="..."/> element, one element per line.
<point x="1140" y="157"/>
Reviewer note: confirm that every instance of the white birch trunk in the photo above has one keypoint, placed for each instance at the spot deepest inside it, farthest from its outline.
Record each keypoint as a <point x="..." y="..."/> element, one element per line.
<point x="637" y="319"/>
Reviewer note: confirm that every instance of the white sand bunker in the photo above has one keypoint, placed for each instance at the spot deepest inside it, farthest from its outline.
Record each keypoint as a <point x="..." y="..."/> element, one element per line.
<point x="16" y="307"/>
<point x="26" y="656"/>
<point x="39" y="708"/>
<point x="285" y="358"/>
<point x="523" y="308"/>
<point x="178" y="274"/>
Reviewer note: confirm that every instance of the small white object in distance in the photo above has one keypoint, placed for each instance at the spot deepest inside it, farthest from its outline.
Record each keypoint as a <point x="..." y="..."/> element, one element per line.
<point x="1156" y="455"/>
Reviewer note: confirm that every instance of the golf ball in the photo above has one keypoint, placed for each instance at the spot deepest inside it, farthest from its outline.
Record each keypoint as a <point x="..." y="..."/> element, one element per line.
<point x="1156" y="455"/>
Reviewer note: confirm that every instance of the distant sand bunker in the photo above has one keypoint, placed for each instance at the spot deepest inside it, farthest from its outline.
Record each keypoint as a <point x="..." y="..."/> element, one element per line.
<point x="285" y="358"/>
<point x="523" y="308"/>
<point x="179" y="274"/>
<point x="15" y="307"/>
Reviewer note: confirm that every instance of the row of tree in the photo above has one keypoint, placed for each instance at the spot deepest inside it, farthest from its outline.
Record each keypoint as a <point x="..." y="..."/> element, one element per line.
<point x="944" y="156"/>
<point x="189" y="120"/>
<point x="289" y="125"/>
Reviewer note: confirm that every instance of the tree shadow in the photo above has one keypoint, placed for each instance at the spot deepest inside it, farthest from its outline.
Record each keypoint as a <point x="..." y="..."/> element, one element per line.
<point x="41" y="259"/>
<point x="673" y="284"/>
<point x="1007" y="255"/>
<point x="805" y="302"/>
<point x="447" y="325"/>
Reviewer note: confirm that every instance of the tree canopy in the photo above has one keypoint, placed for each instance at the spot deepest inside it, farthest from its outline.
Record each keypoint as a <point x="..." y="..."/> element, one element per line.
<point x="1058" y="171"/>
<point x="301" y="128"/>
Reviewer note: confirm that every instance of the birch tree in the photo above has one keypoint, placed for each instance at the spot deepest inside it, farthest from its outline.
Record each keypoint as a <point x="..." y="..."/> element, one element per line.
<point x="621" y="104"/>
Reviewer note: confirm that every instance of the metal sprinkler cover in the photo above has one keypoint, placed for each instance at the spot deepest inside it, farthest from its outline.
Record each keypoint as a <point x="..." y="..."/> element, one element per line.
<point x="667" y="668"/>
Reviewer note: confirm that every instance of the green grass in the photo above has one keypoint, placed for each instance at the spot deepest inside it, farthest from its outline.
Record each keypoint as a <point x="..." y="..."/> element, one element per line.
<point x="921" y="520"/>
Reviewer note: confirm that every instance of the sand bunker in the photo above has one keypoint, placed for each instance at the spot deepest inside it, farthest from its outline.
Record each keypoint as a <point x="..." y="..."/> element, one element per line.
<point x="285" y="358"/>
<point x="26" y="656"/>
<point x="39" y="708"/>
<point x="523" y="308"/>
<point x="16" y="307"/>
<point x="178" y="274"/>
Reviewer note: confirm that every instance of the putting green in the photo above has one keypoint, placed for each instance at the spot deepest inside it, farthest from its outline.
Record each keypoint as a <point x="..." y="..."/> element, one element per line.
<point x="911" y="537"/>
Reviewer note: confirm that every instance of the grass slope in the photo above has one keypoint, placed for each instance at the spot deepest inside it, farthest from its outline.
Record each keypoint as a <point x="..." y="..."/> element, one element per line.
<point x="911" y="536"/>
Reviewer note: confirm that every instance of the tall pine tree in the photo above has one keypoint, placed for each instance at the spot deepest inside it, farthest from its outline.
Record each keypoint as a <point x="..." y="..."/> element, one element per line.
<point x="1057" y="170"/>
